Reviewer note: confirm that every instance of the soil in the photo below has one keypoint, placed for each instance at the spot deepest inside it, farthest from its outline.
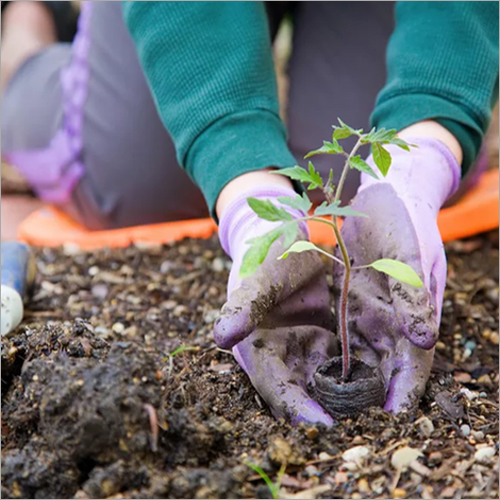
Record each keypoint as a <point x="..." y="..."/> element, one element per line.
<point x="100" y="402"/>
<point x="363" y="389"/>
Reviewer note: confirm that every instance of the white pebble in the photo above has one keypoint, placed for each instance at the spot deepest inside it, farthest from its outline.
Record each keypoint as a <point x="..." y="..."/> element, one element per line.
<point x="218" y="265"/>
<point x="355" y="453"/>
<point x="465" y="429"/>
<point x="483" y="454"/>
<point x="118" y="328"/>
<point x="426" y="426"/>
<point x="403" y="457"/>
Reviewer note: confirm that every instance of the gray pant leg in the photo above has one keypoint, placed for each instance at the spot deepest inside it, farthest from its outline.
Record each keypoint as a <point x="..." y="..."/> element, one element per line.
<point x="32" y="109"/>
<point x="336" y="69"/>
<point x="131" y="173"/>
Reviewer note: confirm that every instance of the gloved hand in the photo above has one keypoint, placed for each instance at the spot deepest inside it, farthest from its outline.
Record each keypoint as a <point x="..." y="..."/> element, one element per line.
<point x="279" y="319"/>
<point x="392" y="324"/>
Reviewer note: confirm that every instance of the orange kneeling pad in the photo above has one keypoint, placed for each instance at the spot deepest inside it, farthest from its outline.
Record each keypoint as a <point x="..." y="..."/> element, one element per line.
<point x="476" y="212"/>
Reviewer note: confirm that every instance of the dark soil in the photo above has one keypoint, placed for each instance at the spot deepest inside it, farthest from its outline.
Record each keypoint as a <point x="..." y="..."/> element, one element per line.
<point x="95" y="405"/>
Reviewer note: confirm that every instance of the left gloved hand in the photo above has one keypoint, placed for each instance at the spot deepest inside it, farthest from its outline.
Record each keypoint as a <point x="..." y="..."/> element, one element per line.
<point x="279" y="319"/>
<point x="394" y="325"/>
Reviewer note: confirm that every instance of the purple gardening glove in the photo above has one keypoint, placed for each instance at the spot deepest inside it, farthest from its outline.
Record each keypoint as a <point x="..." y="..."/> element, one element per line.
<point x="392" y="324"/>
<point x="278" y="320"/>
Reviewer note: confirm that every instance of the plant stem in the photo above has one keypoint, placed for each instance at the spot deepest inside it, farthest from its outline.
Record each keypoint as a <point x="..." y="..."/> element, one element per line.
<point x="344" y="331"/>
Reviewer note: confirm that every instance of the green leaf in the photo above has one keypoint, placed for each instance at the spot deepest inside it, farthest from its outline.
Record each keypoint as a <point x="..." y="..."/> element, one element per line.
<point x="398" y="270"/>
<point x="299" y="202"/>
<point x="266" y="210"/>
<point x="316" y="179"/>
<point x="259" y="248"/>
<point x="361" y="165"/>
<point x="402" y="144"/>
<point x="335" y="209"/>
<point x="331" y="148"/>
<point x="382" y="158"/>
<point x="344" y="131"/>
<point x="381" y="135"/>
<point x="301" y="174"/>
<point x="298" y="247"/>
<point x="290" y="230"/>
<point x="183" y="348"/>
<point x="274" y="488"/>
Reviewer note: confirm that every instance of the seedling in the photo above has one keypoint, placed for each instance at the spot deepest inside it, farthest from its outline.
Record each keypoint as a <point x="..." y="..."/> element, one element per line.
<point x="265" y="209"/>
<point x="274" y="488"/>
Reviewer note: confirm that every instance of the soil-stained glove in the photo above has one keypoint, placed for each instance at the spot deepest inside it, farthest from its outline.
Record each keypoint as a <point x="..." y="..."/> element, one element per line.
<point x="392" y="324"/>
<point x="278" y="321"/>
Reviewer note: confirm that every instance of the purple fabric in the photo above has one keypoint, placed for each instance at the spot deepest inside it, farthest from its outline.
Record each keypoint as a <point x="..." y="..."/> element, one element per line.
<point x="394" y="325"/>
<point x="53" y="172"/>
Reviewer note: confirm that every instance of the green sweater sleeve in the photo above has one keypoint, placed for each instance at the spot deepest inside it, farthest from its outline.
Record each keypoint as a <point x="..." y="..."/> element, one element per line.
<point x="210" y="69"/>
<point x="442" y="64"/>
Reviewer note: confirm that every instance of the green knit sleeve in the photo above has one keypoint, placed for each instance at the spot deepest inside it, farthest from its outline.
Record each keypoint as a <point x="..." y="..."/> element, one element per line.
<point x="442" y="64"/>
<point x="209" y="66"/>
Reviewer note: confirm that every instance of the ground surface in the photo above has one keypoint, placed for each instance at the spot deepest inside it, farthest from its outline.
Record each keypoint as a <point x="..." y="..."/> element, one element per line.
<point x="94" y="406"/>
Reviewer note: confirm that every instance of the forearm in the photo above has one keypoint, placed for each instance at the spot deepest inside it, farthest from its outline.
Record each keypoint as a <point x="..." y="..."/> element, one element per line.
<point x="209" y="66"/>
<point x="442" y="64"/>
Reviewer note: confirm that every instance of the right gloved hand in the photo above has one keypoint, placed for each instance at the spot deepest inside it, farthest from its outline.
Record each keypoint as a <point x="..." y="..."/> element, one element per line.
<point x="278" y="320"/>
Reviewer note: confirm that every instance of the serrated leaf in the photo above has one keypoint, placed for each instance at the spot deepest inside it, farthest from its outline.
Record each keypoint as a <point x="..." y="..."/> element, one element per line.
<point x="257" y="252"/>
<point x="350" y="129"/>
<point x="315" y="177"/>
<point x="402" y="144"/>
<point x="331" y="148"/>
<point x="398" y="270"/>
<point x="290" y="230"/>
<point x="381" y="157"/>
<point x="335" y="209"/>
<point x="299" y="202"/>
<point x="361" y="165"/>
<point x="298" y="247"/>
<point x="381" y="135"/>
<point x="265" y="209"/>
<point x="301" y="174"/>
<point x="340" y="133"/>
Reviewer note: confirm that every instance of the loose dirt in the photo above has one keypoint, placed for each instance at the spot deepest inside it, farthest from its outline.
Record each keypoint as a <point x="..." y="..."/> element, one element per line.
<point x="100" y="402"/>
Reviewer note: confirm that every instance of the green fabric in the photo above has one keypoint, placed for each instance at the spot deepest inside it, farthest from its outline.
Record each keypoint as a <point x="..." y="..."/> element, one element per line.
<point x="209" y="66"/>
<point x="442" y="64"/>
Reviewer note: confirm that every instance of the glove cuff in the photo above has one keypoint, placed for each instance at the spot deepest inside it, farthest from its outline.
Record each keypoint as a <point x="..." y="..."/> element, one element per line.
<point x="238" y="222"/>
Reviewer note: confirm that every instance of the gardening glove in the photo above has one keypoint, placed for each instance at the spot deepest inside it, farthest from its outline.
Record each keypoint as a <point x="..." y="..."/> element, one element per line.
<point x="278" y="321"/>
<point x="394" y="325"/>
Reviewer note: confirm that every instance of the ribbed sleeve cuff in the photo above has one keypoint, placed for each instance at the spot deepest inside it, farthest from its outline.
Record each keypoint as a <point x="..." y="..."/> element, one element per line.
<point x="404" y="110"/>
<point x="234" y="145"/>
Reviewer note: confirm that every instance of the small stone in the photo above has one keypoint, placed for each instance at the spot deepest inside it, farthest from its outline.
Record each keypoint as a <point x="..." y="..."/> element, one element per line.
<point x="93" y="270"/>
<point x="440" y="346"/>
<point x="484" y="454"/>
<point x="118" y="328"/>
<point x="211" y="316"/>
<point x="363" y="486"/>
<point x="470" y="345"/>
<point x="478" y="435"/>
<point x="312" y="432"/>
<point x="356" y="496"/>
<point x="436" y="457"/>
<point x="324" y="456"/>
<point x="470" y="395"/>
<point x="403" y="457"/>
<point x="462" y="377"/>
<point x="448" y="492"/>
<point x="100" y="291"/>
<point x="70" y="249"/>
<point x="494" y="338"/>
<point x="312" y="471"/>
<point x="485" y="380"/>
<point x="486" y="333"/>
<point x="426" y="426"/>
<point x="218" y="265"/>
<point x="358" y="440"/>
<point x="356" y="453"/>
<point x="102" y="332"/>
<point x="131" y="331"/>
<point x="399" y="493"/>
<point x="180" y="310"/>
<point x="465" y="430"/>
